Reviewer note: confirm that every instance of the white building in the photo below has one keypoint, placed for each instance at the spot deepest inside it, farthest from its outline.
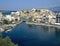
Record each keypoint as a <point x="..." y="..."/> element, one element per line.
<point x="33" y="9"/>
<point x="12" y="13"/>
<point x="8" y="17"/>
<point x="15" y="13"/>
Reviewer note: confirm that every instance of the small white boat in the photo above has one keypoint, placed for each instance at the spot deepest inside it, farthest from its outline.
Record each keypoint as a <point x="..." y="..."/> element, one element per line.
<point x="8" y="30"/>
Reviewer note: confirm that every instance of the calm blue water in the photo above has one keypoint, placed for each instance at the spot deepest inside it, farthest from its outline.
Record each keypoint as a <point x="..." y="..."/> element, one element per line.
<point x="7" y="12"/>
<point x="31" y="35"/>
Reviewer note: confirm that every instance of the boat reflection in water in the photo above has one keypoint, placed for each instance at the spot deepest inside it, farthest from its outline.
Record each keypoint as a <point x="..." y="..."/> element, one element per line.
<point x="31" y="35"/>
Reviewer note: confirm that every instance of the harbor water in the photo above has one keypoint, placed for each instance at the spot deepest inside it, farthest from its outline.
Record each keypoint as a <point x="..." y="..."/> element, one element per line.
<point x="32" y="35"/>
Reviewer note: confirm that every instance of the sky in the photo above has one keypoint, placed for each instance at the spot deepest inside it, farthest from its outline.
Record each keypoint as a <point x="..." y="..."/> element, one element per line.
<point x="27" y="4"/>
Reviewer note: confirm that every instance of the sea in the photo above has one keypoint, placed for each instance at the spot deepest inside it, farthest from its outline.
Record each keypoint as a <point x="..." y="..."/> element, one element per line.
<point x="7" y="12"/>
<point x="33" y="35"/>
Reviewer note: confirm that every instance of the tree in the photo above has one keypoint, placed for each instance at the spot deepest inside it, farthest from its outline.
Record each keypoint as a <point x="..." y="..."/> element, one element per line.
<point x="6" y="41"/>
<point x="7" y="22"/>
<point x="37" y="11"/>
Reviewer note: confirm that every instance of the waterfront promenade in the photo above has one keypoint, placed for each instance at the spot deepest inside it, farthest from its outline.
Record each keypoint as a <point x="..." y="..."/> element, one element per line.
<point x="43" y="24"/>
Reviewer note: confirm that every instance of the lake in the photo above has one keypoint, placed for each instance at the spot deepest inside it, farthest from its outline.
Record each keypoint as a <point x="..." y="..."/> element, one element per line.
<point x="31" y="35"/>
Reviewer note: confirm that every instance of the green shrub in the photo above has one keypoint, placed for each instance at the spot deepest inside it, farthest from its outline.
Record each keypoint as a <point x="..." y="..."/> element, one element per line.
<point x="6" y="41"/>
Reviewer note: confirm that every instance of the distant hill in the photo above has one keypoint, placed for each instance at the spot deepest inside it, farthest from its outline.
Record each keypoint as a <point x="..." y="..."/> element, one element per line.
<point x="55" y="9"/>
